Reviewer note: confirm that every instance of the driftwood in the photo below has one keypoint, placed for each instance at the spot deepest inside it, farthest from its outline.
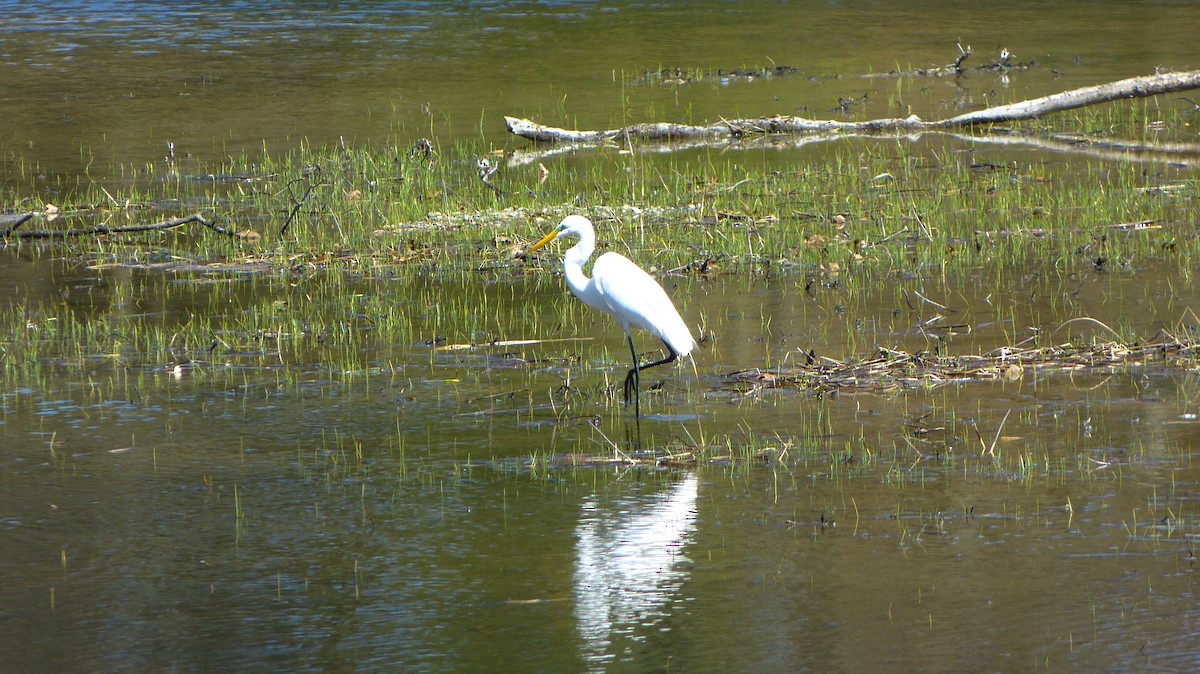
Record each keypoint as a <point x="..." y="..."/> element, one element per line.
<point x="726" y="129"/>
<point x="12" y="232"/>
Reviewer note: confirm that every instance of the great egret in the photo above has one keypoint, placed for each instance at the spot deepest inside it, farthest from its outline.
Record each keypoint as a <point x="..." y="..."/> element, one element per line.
<point x="624" y="290"/>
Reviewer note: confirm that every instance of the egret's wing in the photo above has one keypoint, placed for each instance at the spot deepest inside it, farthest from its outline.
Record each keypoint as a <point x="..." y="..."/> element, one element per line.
<point x="637" y="300"/>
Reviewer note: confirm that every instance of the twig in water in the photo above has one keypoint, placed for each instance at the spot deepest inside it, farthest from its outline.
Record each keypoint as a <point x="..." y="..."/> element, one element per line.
<point x="889" y="237"/>
<point x="990" y="450"/>
<point x="1090" y="320"/>
<point x="110" y="197"/>
<point x="23" y="219"/>
<point x="297" y="204"/>
<point x="618" y="455"/>
<point x="939" y="306"/>
<point x="962" y="56"/>
<point x="734" y="186"/>
<point x="924" y="228"/>
<point x="486" y="171"/>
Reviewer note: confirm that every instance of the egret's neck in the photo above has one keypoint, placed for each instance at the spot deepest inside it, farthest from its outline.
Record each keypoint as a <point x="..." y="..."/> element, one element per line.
<point x="576" y="257"/>
<point x="573" y="262"/>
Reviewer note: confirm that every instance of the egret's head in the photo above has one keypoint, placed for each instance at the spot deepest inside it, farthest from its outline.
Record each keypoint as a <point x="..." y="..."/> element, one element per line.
<point x="572" y="224"/>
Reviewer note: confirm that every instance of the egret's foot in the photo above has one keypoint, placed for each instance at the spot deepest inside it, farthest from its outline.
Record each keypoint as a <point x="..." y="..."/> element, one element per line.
<point x="631" y="385"/>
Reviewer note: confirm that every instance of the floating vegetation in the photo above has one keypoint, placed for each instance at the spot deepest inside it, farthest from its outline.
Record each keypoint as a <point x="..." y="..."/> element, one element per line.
<point x="890" y="370"/>
<point x="678" y="75"/>
<point x="1006" y="62"/>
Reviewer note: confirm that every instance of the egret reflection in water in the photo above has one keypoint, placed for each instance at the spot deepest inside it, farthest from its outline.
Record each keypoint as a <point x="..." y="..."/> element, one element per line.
<point x="631" y="561"/>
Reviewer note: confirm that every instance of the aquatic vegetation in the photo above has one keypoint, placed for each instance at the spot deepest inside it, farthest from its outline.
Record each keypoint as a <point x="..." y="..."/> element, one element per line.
<point x="879" y="204"/>
<point x="399" y="268"/>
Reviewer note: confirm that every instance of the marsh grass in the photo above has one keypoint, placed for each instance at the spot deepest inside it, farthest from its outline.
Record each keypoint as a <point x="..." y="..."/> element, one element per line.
<point x="356" y="267"/>
<point x="879" y="203"/>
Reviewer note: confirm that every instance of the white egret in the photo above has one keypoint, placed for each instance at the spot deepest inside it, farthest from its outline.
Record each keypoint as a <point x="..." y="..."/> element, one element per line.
<point x="623" y="289"/>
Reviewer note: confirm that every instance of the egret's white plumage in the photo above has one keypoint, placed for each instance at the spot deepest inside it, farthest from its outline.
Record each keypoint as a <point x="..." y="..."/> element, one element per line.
<point x="623" y="289"/>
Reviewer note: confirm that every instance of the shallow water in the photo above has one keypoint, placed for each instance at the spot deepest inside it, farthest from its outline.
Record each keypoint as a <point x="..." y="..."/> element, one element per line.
<point x="285" y="516"/>
<point x="299" y="500"/>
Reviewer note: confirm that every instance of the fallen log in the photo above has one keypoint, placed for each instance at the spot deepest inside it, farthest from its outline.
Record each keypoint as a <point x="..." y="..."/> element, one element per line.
<point x="1134" y="87"/>
<point x="731" y="129"/>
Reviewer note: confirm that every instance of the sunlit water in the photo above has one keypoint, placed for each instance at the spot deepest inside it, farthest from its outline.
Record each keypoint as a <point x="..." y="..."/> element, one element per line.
<point x="246" y="514"/>
<point x="109" y="84"/>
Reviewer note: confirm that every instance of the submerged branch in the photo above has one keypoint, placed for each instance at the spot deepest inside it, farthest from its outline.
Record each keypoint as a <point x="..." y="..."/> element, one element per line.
<point x="104" y="230"/>
<point x="730" y="129"/>
<point x="17" y="224"/>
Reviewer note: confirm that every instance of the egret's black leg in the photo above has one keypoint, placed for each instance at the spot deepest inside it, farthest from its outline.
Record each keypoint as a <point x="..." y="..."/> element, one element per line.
<point x="633" y="379"/>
